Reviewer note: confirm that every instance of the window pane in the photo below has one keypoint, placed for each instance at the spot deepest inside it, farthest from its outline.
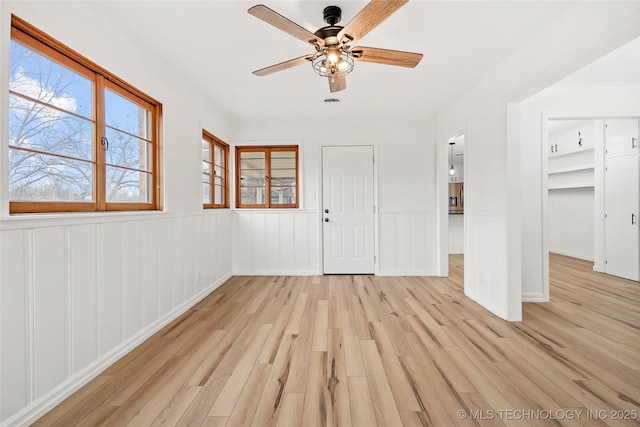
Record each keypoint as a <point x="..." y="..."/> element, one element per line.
<point x="219" y="195"/>
<point x="252" y="195"/>
<point x="124" y="185"/>
<point x="128" y="151"/>
<point x="219" y="172"/>
<point x="283" y="177"/>
<point x="206" y="194"/>
<point x="125" y="115"/>
<point x="218" y="155"/>
<point x="36" y="127"/>
<point x="206" y="151"/>
<point x="252" y="160"/>
<point x="282" y="160"/>
<point x="39" y="177"/>
<point x="206" y="172"/>
<point x="283" y="195"/>
<point x="38" y="77"/>
<point x="252" y="178"/>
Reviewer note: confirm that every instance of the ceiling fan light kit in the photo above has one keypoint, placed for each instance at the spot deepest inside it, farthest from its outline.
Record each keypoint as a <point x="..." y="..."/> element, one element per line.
<point x="335" y="57"/>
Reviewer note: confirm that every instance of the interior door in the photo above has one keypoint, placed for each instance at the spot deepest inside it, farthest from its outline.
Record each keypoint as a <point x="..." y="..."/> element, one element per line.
<point x="347" y="210"/>
<point x="622" y="233"/>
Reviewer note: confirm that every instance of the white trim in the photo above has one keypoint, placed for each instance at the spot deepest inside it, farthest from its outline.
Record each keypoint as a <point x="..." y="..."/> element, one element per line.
<point x="572" y="254"/>
<point x="430" y="273"/>
<point x="536" y="298"/>
<point x="277" y="273"/>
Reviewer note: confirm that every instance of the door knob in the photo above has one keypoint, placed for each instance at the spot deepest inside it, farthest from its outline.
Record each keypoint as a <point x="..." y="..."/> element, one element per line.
<point x="326" y="211"/>
<point x="326" y="220"/>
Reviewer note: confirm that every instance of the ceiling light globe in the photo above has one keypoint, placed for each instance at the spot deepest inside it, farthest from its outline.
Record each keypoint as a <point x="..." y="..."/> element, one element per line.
<point x="333" y="57"/>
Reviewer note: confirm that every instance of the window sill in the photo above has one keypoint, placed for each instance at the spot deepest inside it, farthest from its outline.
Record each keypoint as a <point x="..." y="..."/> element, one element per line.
<point x="37" y="220"/>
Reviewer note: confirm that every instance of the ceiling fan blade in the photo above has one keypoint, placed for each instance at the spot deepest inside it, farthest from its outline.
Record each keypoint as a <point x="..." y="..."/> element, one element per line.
<point x="386" y="56"/>
<point x="337" y="81"/>
<point x="274" y="18"/>
<point x="369" y="18"/>
<point x="283" y="65"/>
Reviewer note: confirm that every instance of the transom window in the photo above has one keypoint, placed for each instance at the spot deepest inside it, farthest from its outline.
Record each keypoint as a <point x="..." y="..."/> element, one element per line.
<point x="267" y="177"/>
<point x="80" y="139"/>
<point x="215" y="172"/>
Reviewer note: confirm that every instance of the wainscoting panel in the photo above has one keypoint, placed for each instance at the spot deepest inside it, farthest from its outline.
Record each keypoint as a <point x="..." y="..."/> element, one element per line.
<point x="84" y="310"/>
<point x="150" y="282"/>
<point x="77" y="297"/>
<point x="49" y="306"/>
<point x="132" y="278"/>
<point x="270" y="243"/>
<point x="407" y="243"/>
<point x="15" y="322"/>
<point x="111" y="282"/>
<point x="486" y="259"/>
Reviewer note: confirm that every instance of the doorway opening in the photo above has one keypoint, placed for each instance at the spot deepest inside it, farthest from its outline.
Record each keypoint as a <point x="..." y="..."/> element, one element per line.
<point x="592" y="197"/>
<point x="455" y="171"/>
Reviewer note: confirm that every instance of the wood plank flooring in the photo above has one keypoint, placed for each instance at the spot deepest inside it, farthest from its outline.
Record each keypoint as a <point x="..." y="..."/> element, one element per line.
<point x="386" y="351"/>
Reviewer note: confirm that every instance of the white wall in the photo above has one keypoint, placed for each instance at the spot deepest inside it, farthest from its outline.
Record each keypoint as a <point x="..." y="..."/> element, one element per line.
<point x="498" y="190"/>
<point x="290" y="242"/>
<point x="571" y="225"/>
<point x="78" y="291"/>
<point x="456" y="234"/>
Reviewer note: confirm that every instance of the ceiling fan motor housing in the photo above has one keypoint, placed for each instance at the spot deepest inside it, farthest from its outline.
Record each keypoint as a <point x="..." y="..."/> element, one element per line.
<point x="332" y="15"/>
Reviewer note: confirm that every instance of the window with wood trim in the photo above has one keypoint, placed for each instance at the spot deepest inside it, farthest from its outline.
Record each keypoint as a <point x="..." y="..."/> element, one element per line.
<point x="267" y="177"/>
<point x="80" y="139"/>
<point x="215" y="172"/>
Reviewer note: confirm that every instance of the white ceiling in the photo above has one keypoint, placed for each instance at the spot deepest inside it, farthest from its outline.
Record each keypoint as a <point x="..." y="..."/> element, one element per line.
<point x="215" y="45"/>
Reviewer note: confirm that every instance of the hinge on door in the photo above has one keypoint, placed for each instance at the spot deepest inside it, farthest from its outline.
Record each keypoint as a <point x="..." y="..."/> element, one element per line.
<point x="374" y="259"/>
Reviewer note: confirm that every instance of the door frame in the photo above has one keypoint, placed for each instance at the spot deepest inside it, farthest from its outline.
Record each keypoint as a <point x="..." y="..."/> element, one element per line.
<point x="376" y="206"/>
<point x="598" y="258"/>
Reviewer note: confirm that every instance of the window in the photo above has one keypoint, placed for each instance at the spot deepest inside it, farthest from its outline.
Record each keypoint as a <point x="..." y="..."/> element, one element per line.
<point x="80" y="139"/>
<point x="263" y="171"/>
<point x="215" y="172"/>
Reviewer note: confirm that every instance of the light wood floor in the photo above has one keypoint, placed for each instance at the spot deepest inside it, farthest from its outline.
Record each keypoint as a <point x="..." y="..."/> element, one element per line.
<point x="391" y="351"/>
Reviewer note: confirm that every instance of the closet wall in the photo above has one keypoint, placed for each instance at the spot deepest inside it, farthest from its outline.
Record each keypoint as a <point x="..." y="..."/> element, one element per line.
<point x="570" y="169"/>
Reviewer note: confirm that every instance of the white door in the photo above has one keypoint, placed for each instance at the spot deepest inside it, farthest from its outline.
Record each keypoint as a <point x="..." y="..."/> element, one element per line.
<point x="347" y="210"/>
<point x="621" y="136"/>
<point x="622" y="233"/>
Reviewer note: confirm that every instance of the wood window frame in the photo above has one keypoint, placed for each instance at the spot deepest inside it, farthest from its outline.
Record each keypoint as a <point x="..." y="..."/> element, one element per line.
<point x="43" y="44"/>
<point x="267" y="149"/>
<point x="224" y="147"/>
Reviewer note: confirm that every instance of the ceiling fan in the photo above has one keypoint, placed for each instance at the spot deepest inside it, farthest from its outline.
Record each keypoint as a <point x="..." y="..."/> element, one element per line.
<point x="334" y="56"/>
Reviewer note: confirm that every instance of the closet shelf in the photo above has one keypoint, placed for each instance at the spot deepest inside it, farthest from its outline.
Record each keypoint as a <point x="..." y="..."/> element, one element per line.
<point x="568" y="186"/>
<point x="566" y="153"/>
<point x="571" y="169"/>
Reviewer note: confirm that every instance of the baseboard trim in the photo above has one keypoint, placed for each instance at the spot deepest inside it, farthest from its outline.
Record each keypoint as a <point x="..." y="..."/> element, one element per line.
<point x="572" y="254"/>
<point x="277" y="273"/>
<point x="531" y="297"/>
<point x="407" y="273"/>
<point x="39" y="407"/>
